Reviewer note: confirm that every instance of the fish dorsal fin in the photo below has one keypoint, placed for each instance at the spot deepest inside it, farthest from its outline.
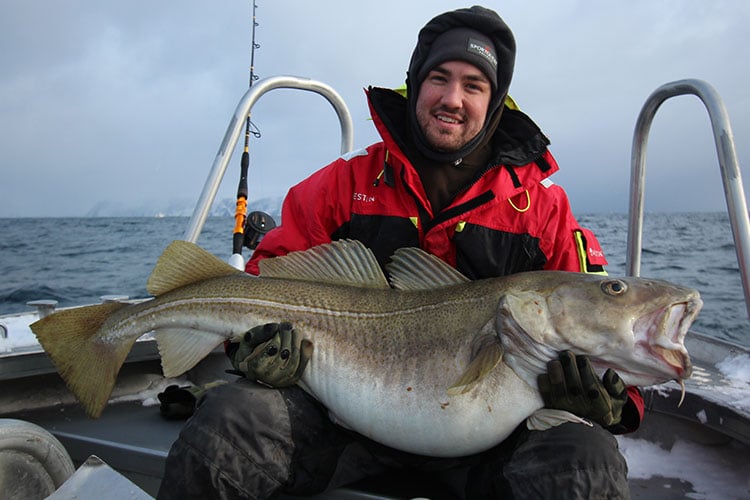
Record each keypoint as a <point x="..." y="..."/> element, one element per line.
<point x="414" y="269"/>
<point x="342" y="262"/>
<point x="183" y="263"/>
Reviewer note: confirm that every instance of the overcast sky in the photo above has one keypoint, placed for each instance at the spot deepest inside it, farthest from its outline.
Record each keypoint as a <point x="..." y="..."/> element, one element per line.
<point x="128" y="101"/>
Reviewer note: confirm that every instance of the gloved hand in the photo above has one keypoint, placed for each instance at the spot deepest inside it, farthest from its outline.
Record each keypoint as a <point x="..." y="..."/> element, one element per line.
<point x="272" y="354"/>
<point x="571" y="384"/>
<point x="178" y="403"/>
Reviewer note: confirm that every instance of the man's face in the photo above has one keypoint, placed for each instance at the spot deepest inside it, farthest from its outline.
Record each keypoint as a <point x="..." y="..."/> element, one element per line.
<point x="452" y="104"/>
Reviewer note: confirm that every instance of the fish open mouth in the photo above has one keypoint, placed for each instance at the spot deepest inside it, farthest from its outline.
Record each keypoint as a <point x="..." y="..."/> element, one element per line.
<point x="676" y="359"/>
<point x="662" y="333"/>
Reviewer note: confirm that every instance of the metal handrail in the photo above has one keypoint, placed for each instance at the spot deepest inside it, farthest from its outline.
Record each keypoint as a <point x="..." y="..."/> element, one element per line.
<point x="232" y="135"/>
<point x="730" y="173"/>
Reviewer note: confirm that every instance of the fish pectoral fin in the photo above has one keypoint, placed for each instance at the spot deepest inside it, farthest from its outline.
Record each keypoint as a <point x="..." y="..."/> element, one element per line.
<point x="182" y="348"/>
<point x="485" y="360"/>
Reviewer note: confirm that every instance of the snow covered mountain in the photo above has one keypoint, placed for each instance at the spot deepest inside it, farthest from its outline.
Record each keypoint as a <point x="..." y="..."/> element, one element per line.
<point x="183" y="208"/>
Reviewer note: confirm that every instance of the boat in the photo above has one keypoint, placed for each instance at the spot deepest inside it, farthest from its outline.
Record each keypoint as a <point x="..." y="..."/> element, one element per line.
<point x="46" y="438"/>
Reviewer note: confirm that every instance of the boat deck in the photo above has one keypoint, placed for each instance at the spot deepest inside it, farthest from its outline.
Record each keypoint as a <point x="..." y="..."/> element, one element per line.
<point x="134" y="440"/>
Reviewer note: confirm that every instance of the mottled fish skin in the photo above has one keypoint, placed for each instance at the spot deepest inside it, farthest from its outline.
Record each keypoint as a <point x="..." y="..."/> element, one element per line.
<point x="441" y="366"/>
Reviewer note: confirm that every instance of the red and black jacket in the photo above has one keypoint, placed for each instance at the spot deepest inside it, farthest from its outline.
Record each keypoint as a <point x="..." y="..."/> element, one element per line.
<point x="509" y="219"/>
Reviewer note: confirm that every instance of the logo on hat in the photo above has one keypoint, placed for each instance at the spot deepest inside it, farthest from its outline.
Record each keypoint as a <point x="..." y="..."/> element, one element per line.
<point x="482" y="50"/>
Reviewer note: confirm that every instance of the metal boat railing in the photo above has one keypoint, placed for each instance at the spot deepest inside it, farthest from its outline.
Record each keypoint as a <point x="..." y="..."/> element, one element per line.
<point x="232" y="135"/>
<point x="729" y="166"/>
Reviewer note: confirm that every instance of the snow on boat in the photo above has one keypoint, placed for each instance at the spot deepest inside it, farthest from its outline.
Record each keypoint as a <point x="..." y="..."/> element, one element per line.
<point x="697" y="449"/>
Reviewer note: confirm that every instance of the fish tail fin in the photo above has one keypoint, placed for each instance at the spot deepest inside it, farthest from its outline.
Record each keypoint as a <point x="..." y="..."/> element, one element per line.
<point x="88" y="368"/>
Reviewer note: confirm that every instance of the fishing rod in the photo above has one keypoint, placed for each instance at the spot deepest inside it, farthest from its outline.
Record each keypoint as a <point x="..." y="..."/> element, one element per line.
<point x="240" y="214"/>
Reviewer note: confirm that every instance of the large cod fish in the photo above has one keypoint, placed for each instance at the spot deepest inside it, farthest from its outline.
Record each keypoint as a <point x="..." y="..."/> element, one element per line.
<point x="432" y="364"/>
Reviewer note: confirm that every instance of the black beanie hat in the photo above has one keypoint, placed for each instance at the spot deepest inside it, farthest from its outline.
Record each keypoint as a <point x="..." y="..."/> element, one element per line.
<point x="452" y="26"/>
<point x="462" y="44"/>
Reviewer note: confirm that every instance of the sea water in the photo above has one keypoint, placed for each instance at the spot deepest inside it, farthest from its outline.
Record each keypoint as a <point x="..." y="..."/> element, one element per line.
<point x="77" y="260"/>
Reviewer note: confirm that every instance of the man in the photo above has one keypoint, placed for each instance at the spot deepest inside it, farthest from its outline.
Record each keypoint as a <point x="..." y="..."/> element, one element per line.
<point x="462" y="175"/>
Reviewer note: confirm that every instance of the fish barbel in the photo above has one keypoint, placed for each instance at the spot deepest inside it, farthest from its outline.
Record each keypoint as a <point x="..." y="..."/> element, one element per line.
<point x="431" y="363"/>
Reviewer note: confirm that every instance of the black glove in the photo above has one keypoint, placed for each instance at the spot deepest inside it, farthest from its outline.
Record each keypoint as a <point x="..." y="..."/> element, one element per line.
<point x="272" y="354"/>
<point x="178" y="403"/>
<point x="571" y="384"/>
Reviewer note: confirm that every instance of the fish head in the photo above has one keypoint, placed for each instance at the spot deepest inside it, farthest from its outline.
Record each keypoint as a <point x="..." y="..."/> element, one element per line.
<point x="635" y="326"/>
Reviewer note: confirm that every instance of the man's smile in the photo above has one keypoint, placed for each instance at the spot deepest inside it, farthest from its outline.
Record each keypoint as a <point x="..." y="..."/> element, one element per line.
<point x="448" y="119"/>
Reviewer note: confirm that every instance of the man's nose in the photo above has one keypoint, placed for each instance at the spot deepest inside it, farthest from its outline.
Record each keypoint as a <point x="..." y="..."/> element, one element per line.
<point x="452" y="96"/>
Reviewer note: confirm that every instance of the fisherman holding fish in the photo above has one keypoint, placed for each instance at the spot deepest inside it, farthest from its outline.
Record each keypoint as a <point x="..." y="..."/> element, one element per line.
<point x="462" y="173"/>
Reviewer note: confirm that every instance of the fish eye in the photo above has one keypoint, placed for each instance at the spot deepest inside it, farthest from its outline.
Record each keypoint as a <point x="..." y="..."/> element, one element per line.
<point x="614" y="287"/>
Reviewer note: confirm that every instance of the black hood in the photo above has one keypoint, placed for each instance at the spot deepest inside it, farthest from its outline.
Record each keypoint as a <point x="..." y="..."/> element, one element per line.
<point x="487" y="22"/>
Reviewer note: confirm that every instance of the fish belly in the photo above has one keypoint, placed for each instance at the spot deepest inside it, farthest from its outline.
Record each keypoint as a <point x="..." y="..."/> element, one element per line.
<point x="409" y="408"/>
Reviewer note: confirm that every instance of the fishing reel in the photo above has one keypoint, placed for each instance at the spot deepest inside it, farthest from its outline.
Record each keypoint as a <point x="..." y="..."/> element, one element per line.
<point x="257" y="225"/>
